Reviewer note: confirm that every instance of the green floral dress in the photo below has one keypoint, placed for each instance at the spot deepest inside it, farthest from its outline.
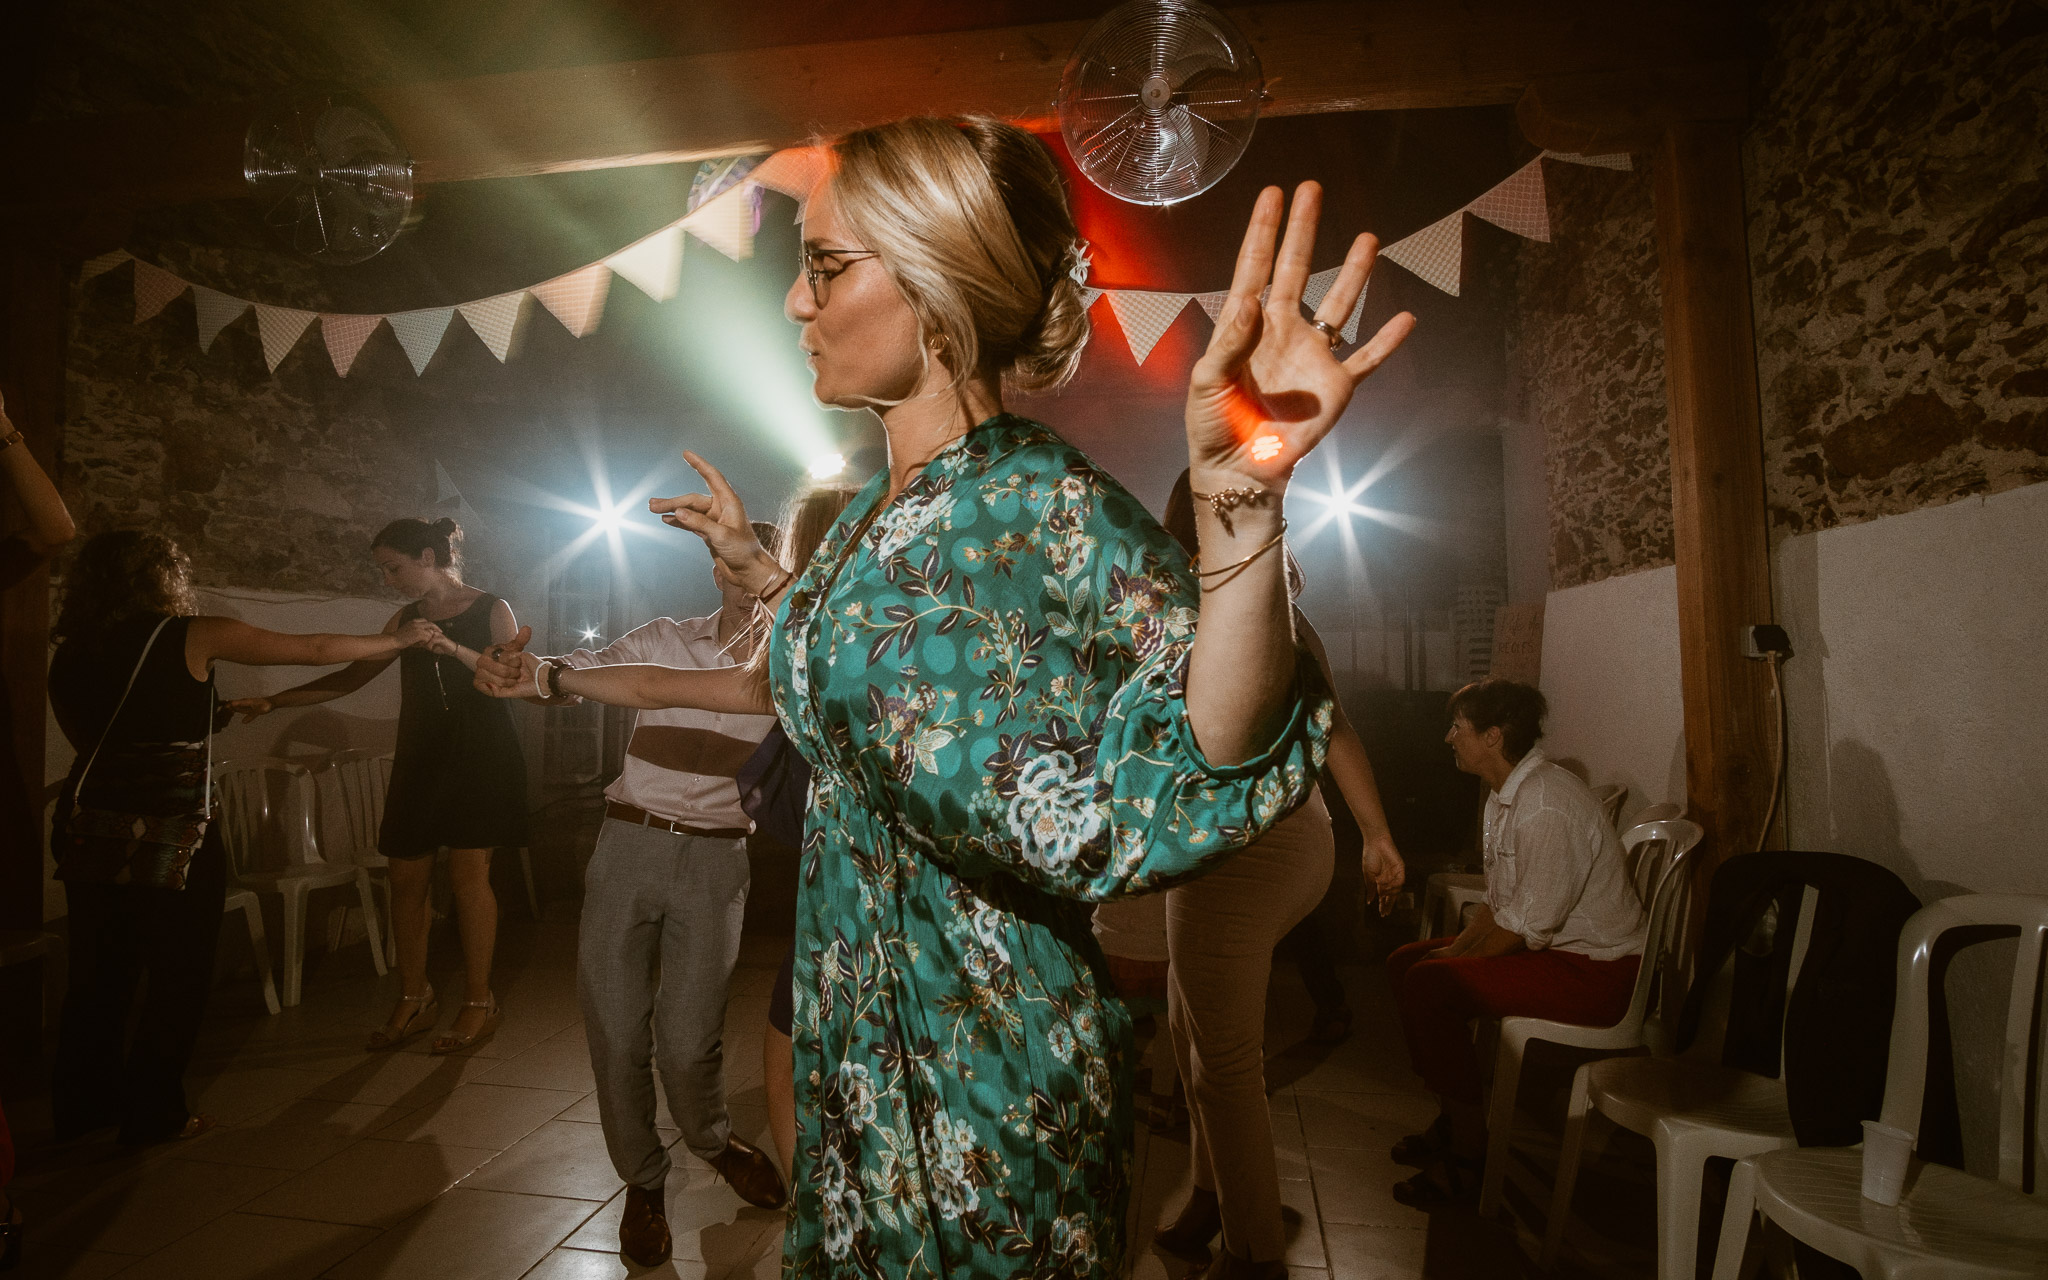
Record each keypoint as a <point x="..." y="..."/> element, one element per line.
<point x="987" y="680"/>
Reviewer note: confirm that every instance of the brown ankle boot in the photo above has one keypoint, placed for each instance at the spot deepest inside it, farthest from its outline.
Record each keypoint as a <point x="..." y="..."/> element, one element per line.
<point x="643" y="1228"/>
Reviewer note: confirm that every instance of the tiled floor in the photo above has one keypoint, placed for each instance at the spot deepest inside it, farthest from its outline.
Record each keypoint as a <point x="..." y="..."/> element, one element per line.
<point x="329" y="1162"/>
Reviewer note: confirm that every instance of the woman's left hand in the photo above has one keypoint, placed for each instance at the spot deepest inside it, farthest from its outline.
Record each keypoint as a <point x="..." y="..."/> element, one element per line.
<point x="1270" y="386"/>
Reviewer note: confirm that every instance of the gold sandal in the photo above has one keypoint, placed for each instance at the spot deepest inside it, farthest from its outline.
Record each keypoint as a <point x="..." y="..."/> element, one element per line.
<point x="456" y="1044"/>
<point x="420" y="1019"/>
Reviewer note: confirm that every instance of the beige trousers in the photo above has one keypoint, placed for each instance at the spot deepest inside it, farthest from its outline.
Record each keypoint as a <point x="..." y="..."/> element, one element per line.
<point x="1220" y="934"/>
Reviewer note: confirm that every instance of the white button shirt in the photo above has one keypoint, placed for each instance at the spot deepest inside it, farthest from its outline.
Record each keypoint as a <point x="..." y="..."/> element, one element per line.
<point x="1555" y="873"/>
<point x="680" y="763"/>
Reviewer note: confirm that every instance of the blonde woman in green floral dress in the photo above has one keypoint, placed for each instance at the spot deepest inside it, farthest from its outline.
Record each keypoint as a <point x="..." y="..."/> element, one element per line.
<point x="994" y="666"/>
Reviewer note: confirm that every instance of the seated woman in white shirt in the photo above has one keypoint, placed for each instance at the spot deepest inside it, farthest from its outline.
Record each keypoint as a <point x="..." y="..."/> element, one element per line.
<point x="1560" y="935"/>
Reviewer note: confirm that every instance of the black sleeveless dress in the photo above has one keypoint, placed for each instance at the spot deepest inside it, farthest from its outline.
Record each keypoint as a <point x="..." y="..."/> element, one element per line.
<point x="458" y="778"/>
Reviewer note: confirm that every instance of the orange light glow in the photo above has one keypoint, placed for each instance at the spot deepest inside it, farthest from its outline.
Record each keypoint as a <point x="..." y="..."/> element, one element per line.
<point x="1266" y="448"/>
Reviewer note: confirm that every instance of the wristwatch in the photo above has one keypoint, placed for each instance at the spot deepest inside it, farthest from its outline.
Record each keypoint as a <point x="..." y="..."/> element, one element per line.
<point x="554" y="667"/>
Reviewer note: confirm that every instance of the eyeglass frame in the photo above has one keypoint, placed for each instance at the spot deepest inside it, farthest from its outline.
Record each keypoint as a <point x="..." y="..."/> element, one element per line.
<point x="820" y="280"/>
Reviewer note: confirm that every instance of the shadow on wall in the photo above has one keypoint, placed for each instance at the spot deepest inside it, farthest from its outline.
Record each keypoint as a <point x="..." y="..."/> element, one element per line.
<point x="311" y="731"/>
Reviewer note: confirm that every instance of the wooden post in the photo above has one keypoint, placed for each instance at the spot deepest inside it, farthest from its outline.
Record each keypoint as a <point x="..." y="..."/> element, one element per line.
<point x="1717" y="483"/>
<point x="32" y="334"/>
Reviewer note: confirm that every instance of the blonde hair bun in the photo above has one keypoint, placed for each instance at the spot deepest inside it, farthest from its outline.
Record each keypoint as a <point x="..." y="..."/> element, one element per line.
<point x="971" y="220"/>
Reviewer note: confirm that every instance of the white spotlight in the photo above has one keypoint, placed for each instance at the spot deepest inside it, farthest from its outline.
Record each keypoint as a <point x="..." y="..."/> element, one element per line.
<point x="827" y="465"/>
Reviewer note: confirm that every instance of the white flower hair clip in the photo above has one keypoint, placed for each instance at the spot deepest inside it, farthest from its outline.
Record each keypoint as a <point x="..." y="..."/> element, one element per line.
<point x="1077" y="269"/>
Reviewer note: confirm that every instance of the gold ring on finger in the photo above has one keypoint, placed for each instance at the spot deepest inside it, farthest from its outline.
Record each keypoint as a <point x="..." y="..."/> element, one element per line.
<point x="1328" y="330"/>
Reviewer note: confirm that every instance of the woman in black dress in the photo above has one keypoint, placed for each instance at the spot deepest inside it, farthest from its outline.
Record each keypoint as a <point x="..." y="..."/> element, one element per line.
<point x="458" y="780"/>
<point x="132" y="687"/>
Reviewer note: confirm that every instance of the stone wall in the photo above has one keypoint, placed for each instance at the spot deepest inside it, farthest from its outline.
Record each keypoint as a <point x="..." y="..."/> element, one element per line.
<point x="1898" y="195"/>
<point x="1898" y="189"/>
<point x="1586" y="347"/>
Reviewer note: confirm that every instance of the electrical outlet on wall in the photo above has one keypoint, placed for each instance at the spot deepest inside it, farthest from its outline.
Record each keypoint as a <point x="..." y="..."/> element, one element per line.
<point x="1761" y="640"/>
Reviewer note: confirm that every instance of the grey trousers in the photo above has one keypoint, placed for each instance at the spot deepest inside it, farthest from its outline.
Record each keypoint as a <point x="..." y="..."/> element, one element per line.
<point x="660" y="935"/>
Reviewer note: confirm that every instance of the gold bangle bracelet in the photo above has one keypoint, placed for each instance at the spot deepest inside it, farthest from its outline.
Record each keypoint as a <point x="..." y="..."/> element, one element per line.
<point x="1263" y="548"/>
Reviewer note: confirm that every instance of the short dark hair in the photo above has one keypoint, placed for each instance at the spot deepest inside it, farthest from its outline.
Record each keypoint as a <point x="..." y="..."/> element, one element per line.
<point x="1516" y="709"/>
<point x="409" y="537"/>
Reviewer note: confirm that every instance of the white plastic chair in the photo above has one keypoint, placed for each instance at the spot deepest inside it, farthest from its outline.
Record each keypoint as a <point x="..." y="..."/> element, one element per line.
<point x="1660" y="878"/>
<point x="1691" y="1108"/>
<point x="1948" y="1223"/>
<point x="252" y="911"/>
<point x="357" y="781"/>
<point x="1663" y="811"/>
<point x="1610" y="798"/>
<point x="248" y="818"/>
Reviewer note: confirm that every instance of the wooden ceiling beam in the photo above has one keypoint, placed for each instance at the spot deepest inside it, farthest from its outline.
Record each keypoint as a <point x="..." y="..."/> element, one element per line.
<point x="1320" y="56"/>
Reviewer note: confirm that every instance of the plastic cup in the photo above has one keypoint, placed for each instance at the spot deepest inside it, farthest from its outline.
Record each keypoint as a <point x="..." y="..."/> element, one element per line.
<point x="1886" y="1152"/>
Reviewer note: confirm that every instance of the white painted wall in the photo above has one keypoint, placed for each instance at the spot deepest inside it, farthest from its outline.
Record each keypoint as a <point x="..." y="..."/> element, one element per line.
<point x="1610" y="672"/>
<point x="1919" y="692"/>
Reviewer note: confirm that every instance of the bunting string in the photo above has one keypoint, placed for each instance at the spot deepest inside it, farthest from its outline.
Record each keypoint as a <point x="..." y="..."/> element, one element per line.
<point x="727" y="222"/>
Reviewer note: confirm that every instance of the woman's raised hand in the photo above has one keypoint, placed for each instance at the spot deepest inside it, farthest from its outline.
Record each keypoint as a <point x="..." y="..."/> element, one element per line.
<point x="720" y="518"/>
<point x="506" y="670"/>
<point x="1270" y="386"/>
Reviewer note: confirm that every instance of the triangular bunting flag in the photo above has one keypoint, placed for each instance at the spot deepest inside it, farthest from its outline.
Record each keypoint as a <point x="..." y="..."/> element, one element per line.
<point x="1357" y="310"/>
<point x="216" y="312"/>
<point x="104" y="263"/>
<point x="280" y="328"/>
<point x="653" y="265"/>
<point x="420" y="333"/>
<point x="1212" y="303"/>
<point x="1317" y="287"/>
<point x="1618" y="160"/>
<point x="345" y="338"/>
<point x="1088" y="296"/>
<point x="154" y="289"/>
<point x="1436" y="253"/>
<point x="794" y="171"/>
<point x="576" y="299"/>
<point x="1517" y="204"/>
<point x="726" y="223"/>
<point x="447" y="492"/>
<point x="495" y="320"/>
<point x="1145" y="317"/>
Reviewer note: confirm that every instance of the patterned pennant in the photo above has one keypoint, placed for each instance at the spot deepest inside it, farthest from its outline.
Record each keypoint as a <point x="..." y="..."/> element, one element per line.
<point x="653" y="265"/>
<point x="1436" y="253"/>
<point x="794" y="171"/>
<point x="1212" y="303"/>
<point x="104" y="263"/>
<point x="420" y="333"/>
<point x="726" y="223"/>
<point x="495" y="320"/>
<point x="1317" y="287"/>
<point x="345" y="338"/>
<point x="280" y="328"/>
<point x="1350" y="326"/>
<point x="577" y="299"/>
<point x="1518" y="204"/>
<point x="216" y="312"/>
<point x="1619" y="160"/>
<point x="154" y="289"/>
<point x="1145" y="317"/>
<point x="1088" y="296"/>
<point x="447" y="492"/>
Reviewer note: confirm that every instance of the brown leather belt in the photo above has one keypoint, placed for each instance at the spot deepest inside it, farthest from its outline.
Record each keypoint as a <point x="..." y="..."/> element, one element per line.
<point x="641" y="818"/>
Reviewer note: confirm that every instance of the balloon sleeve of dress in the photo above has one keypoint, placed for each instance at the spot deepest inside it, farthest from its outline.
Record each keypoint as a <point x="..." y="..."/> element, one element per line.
<point x="987" y="679"/>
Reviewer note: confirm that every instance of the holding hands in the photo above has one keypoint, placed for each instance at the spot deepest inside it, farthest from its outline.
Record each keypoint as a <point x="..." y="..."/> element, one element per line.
<point x="1270" y="385"/>
<point x="507" y="670"/>
<point x="416" y="633"/>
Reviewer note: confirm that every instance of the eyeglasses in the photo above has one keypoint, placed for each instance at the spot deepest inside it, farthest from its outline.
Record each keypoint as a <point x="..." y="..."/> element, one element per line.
<point x="819" y="275"/>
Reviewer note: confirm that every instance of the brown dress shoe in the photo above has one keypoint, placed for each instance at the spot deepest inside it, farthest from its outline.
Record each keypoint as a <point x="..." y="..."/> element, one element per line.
<point x="751" y="1173"/>
<point x="643" y="1228"/>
